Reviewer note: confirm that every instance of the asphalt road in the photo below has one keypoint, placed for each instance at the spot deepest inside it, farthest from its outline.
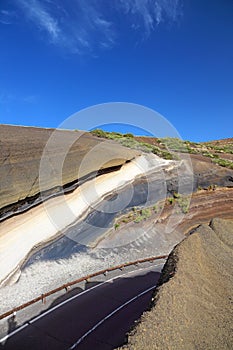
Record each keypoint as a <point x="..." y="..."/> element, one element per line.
<point x="102" y="315"/>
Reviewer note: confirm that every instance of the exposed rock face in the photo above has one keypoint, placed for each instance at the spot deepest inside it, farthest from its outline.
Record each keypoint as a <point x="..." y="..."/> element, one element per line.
<point x="21" y="149"/>
<point x="192" y="307"/>
<point x="20" y="233"/>
<point x="207" y="173"/>
<point x="204" y="205"/>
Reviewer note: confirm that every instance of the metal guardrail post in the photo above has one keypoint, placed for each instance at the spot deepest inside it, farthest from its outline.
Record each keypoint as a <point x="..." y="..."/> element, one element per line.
<point x="67" y="288"/>
<point x="43" y="298"/>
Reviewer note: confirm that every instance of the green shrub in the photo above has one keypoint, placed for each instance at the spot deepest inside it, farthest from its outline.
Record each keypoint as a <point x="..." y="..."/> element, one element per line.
<point x="183" y="203"/>
<point x="116" y="226"/>
<point x="212" y="187"/>
<point x="171" y="200"/>
<point x="129" y="141"/>
<point x="99" y="133"/>
<point x="169" y="156"/>
<point x="126" y="220"/>
<point x="146" y="213"/>
<point x="129" y="135"/>
<point x="224" y="162"/>
<point x="175" y="144"/>
<point x="138" y="219"/>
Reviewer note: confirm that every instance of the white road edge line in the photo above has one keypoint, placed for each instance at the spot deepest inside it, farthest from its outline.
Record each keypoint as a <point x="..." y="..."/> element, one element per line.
<point x="12" y="333"/>
<point x="108" y="316"/>
<point x="6" y="337"/>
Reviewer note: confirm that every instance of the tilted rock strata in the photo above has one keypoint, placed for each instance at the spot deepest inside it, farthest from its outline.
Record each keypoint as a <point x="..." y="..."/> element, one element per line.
<point x="20" y="233"/>
<point x="21" y="150"/>
<point x="171" y="221"/>
<point x="204" y="205"/>
<point x="192" y="307"/>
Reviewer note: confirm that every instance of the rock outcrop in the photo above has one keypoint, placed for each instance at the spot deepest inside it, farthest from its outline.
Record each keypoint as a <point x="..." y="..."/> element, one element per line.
<point x="192" y="306"/>
<point x="21" y="151"/>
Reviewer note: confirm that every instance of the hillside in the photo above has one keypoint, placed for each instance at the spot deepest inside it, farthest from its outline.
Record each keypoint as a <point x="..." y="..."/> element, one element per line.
<point x="133" y="197"/>
<point x="192" y="307"/>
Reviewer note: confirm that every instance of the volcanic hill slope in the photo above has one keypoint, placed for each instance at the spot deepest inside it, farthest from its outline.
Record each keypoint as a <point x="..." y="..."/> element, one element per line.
<point x="192" y="307"/>
<point x="192" y="184"/>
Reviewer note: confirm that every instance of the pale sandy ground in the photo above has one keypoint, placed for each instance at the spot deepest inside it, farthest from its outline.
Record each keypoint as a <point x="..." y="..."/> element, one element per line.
<point x="18" y="235"/>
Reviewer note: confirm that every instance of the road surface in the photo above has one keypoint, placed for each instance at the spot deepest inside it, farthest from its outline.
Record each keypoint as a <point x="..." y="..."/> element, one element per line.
<point x="97" y="319"/>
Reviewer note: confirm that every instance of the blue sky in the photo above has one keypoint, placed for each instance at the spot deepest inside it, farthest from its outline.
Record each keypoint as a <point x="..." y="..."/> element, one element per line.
<point x="173" y="56"/>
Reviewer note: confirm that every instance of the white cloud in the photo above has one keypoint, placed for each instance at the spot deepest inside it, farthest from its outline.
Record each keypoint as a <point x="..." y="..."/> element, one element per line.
<point x="77" y="26"/>
<point x="4" y="22"/>
<point x="7" y="16"/>
<point x="84" y="25"/>
<point x="35" y="10"/>
<point x="5" y="12"/>
<point x="8" y="98"/>
<point x="149" y="13"/>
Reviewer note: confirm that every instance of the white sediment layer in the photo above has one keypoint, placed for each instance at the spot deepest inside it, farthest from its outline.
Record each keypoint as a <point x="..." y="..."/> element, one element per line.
<point x="42" y="276"/>
<point x="19" y="234"/>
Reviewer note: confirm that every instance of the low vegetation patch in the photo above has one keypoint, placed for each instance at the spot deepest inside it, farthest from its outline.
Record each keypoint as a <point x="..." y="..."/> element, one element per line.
<point x="136" y="215"/>
<point x="128" y="140"/>
<point x="220" y="149"/>
<point x="141" y="214"/>
<point x="224" y="162"/>
<point x="170" y="147"/>
<point x="183" y="202"/>
<point x="177" y="145"/>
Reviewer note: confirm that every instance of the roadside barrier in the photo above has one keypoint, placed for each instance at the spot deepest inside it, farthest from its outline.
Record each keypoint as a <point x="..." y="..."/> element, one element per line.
<point x="67" y="286"/>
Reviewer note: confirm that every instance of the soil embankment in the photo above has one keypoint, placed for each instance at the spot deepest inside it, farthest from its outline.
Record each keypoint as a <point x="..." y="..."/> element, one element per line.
<point x="192" y="307"/>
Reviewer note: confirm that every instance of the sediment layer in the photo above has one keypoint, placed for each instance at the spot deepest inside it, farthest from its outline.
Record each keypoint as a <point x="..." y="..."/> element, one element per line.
<point x="34" y="160"/>
<point x="170" y="220"/>
<point x="19" y="234"/>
